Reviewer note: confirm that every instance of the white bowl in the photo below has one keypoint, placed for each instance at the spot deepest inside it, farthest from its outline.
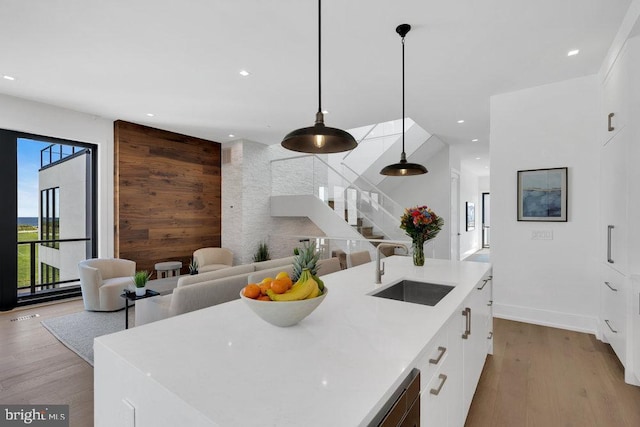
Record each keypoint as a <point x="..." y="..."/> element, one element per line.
<point x="284" y="313"/>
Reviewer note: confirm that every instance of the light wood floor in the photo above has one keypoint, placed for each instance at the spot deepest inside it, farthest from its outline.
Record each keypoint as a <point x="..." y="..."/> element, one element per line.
<point x="35" y="368"/>
<point x="537" y="376"/>
<point x="549" y="377"/>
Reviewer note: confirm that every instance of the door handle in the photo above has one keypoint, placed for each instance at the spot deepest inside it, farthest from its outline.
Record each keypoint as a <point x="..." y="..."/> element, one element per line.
<point x="467" y="314"/>
<point x="609" y="127"/>
<point x="611" y="287"/>
<point x="609" y="228"/>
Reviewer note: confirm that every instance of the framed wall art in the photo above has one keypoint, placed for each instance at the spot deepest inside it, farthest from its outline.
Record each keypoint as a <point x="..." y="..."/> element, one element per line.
<point x="542" y="195"/>
<point x="471" y="215"/>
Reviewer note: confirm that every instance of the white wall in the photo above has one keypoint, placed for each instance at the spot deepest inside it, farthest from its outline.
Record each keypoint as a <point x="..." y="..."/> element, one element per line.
<point x="548" y="282"/>
<point x="41" y="119"/>
<point x="432" y="189"/>
<point x="246" y="192"/>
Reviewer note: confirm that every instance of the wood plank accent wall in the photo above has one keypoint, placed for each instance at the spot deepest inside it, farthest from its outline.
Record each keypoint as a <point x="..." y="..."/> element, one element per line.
<point x="167" y="195"/>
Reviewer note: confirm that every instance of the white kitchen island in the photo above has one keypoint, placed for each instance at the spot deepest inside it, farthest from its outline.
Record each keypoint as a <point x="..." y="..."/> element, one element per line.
<point x="224" y="366"/>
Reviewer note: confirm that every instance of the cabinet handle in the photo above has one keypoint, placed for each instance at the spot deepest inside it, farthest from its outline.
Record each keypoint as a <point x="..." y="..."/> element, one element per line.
<point x="609" y="127"/>
<point x="484" y="283"/>
<point x="609" y="228"/>
<point x="611" y="287"/>
<point x="490" y="335"/>
<point x="436" y="391"/>
<point x="442" y="351"/>
<point x="467" y="314"/>
<point x="612" y="330"/>
<point x="490" y="303"/>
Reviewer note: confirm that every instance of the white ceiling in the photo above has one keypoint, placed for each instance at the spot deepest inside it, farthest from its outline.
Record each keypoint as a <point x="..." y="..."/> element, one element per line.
<point x="122" y="59"/>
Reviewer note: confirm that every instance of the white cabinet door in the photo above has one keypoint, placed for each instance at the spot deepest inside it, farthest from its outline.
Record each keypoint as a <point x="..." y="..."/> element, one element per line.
<point x="615" y="98"/>
<point x="635" y="324"/>
<point x="613" y="191"/>
<point x="475" y="314"/>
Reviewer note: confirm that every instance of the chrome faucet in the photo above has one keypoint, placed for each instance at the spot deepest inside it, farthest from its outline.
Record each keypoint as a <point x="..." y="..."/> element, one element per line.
<point x="380" y="271"/>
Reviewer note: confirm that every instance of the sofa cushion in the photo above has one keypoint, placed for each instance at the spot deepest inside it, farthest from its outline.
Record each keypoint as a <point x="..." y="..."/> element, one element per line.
<point x="206" y="294"/>
<point x="212" y="267"/>
<point x="218" y="274"/>
<point x="264" y="265"/>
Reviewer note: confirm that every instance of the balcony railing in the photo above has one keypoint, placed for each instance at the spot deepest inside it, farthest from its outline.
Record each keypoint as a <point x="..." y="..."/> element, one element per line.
<point x="57" y="152"/>
<point x="67" y="258"/>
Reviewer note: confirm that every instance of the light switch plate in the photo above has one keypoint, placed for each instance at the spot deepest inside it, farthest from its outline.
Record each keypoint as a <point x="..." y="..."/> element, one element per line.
<point x="542" y="235"/>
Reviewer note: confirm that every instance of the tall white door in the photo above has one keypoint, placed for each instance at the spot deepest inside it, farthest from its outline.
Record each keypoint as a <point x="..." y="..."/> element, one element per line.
<point x="455" y="216"/>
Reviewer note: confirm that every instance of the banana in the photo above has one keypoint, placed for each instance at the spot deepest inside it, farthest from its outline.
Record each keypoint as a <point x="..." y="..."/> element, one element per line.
<point x="316" y="292"/>
<point x="299" y="291"/>
<point x="320" y="283"/>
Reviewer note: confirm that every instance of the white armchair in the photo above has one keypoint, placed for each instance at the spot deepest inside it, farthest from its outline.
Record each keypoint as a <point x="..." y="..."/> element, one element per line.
<point x="102" y="281"/>
<point x="211" y="259"/>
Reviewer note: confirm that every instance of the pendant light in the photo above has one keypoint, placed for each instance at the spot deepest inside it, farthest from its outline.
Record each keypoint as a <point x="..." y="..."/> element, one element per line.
<point x="319" y="138"/>
<point x="403" y="168"/>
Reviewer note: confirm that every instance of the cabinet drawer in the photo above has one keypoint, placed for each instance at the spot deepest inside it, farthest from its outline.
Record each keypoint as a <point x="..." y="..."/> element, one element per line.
<point x="430" y="362"/>
<point x="613" y="312"/>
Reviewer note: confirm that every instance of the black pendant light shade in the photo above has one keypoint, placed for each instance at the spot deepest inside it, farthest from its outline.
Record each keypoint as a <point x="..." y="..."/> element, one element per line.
<point x="319" y="139"/>
<point x="403" y="168"/>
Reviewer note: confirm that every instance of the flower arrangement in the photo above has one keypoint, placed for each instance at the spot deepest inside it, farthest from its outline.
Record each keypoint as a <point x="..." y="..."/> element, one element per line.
<point x="422" y="224"/>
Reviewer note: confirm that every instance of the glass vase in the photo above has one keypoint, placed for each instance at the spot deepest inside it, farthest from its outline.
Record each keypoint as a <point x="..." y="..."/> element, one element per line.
<point x="418" y="251"/>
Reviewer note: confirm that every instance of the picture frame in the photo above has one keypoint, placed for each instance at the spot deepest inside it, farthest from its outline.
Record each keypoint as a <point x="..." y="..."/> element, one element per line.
<point x="542" y="195"/>
<point x="471" y="215"/>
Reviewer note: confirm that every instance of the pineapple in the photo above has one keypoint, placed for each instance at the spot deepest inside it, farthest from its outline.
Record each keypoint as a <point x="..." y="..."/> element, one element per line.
<point x="306" y="258"/>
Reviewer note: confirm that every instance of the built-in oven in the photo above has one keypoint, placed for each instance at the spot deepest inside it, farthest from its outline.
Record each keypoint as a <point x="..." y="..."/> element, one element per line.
<point x="403" y="407"/>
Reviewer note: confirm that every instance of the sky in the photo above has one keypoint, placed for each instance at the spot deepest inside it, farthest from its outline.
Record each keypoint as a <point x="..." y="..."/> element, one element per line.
<point x="28" y="166"/>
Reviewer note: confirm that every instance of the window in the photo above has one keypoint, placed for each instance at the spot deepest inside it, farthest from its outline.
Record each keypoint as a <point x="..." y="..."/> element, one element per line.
<point x="50" y="216"/>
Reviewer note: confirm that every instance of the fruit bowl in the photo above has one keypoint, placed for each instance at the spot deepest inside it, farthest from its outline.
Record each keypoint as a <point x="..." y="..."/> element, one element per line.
<point x="284" y="313"/>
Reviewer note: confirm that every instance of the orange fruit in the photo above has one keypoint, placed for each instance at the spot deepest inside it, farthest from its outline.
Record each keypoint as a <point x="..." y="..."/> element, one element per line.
<point x="264" y="298"/>
<point x="251" y="291"/>
<point x="280" y="286"/>
<point x="282" y="275"/>
<point x="267" y="280"/>
<point x="264" y="287"/>
<point x="288" y="281"/>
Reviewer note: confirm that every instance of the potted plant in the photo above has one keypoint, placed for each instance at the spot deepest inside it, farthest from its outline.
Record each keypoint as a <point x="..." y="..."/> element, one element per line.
<point x="140" y="279"/>
<point x="193" y="267"/>
<point x="262" y="254"/>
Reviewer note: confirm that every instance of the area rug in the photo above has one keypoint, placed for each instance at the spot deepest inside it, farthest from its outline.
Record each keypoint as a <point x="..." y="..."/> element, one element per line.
<point x="77" y="330"/>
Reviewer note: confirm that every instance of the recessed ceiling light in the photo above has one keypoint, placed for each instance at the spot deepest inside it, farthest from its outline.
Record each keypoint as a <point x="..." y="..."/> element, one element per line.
<point x="231" y="135"/>
<point x="474" y="140"/>
<point x="244" y="73"/>
<point x="8" y="77"/>
<point x="573" y="52"/>
<point x="477" y="158"/>
<point x="325" y="112"/>
<point x="460" y="121"/>
<point x="150" y="114"/>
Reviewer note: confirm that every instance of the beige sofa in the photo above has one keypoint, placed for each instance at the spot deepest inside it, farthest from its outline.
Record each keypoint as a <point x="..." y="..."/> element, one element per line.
<point x="206" y="289"/>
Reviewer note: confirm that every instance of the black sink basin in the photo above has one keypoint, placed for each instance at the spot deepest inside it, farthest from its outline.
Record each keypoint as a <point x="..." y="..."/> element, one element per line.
<point x="416" y="292"/>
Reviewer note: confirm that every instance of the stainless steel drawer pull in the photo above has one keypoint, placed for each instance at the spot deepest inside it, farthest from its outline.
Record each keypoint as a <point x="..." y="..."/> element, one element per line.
<point x="611" y="287"/>
<point x="442" y="351"/>
<point x="484" y="283"/>
<point x="490" y="335"/>
<point x="436" y="391"/>
<point x="490" y="303"/>
<point x="609" y="228"/>
<point x="612" y="330"/>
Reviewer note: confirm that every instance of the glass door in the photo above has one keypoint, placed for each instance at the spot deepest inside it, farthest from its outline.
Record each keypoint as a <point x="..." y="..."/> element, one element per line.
<point x="486" y="219"/>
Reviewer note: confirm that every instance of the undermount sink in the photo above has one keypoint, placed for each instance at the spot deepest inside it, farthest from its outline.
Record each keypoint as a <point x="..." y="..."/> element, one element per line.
<point x="416" y="292"/>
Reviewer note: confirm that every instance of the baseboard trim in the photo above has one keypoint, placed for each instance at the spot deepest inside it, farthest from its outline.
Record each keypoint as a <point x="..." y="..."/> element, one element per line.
<point x="554" y="319"/>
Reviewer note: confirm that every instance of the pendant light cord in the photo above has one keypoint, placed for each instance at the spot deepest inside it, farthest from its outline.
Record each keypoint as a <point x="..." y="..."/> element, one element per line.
<point x="403" y="95"/>
<point x="319" y="56"/>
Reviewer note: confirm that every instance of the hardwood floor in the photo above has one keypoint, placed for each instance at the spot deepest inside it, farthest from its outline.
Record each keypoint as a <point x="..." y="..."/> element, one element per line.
<point x="538" y="376"/>
<point x="35" y="368"/>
